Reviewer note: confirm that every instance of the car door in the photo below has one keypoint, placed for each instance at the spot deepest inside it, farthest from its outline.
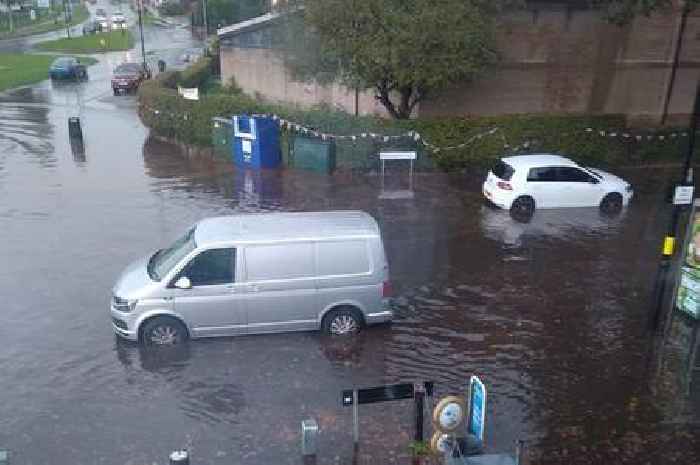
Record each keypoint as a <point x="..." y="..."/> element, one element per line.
<point x="281" y="287"/>
<point x="214" y="305"/>
<point x="578" y="188"/>
<point x="542" y="185"/>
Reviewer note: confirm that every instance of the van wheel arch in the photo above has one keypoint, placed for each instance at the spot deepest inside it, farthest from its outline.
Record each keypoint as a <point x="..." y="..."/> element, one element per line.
<point x="145" y="322"/>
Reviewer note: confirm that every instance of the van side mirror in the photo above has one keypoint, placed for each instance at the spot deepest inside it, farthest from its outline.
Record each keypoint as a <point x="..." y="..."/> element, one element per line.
<point x="183" y="283"/>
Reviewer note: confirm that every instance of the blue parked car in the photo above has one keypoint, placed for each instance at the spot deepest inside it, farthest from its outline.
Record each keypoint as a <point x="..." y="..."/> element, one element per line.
<point x="67" y="68"/>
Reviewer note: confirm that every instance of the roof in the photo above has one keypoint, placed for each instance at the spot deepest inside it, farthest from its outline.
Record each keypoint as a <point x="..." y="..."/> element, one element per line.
<point x="250" y="24"/>
<point x="272" y="227"/>
<point x="540" y="159"/>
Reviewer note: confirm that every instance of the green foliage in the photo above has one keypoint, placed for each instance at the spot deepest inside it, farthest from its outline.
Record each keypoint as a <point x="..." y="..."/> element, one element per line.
<point x="577" y="137"/>
<point x="168" y="79"/>
<point x="18" y="69"/>
<point x="622" y="11"/>
<point x="46" y="20"/>
<point x="420" y="448"/>
<point x="172" y="8"/>
<point x="197" y="74"/>
<point x="404" y="49"/>
<point x="224" y="12"/>
<point x="93" y="43"/>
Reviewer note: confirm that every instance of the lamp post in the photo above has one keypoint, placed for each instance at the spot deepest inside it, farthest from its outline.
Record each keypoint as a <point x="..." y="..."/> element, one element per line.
<point x="670" y="239"/>
<point x="205" y="20"/>
<point x="143" y="46"/>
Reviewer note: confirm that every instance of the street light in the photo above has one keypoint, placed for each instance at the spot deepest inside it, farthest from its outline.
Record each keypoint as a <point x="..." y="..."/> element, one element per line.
<point x="143" y="47"/>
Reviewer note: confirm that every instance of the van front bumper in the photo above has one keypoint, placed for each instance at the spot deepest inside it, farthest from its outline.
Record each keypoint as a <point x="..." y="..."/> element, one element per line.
<point x="120" y="325"/>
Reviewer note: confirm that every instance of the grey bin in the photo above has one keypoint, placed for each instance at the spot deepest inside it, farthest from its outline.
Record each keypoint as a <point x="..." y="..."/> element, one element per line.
<point x="313" y="154"/>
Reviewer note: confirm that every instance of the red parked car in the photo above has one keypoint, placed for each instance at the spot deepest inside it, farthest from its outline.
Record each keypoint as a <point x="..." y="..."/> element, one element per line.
<point x="128" y="76"/>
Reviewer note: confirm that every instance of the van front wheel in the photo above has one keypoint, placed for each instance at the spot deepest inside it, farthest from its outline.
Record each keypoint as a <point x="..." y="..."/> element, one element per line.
<point x="164" y="331"/>
<point x="341" y="322"/>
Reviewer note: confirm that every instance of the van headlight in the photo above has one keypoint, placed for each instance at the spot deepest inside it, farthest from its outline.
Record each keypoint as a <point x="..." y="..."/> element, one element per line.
<point x="124" y="305"/>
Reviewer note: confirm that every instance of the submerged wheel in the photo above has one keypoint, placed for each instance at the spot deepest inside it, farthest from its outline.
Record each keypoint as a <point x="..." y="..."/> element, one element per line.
<point x="163" y="331"/>
<point x="611" y="203"/>
<point x="523" y="205"/>
<point x="342" y="322"/>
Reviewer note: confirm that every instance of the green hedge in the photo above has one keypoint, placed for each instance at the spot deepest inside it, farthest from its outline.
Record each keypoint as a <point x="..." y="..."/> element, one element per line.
<point x="196" y="74"/>
<point x="578" y="137"/>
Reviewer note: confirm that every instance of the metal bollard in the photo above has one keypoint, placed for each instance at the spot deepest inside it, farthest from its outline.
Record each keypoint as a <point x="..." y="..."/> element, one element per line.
<point x="4" y="457"/>
<point x="180" y="457"/>
<point x="309" y="437"/>
<point x="74" y="130"/>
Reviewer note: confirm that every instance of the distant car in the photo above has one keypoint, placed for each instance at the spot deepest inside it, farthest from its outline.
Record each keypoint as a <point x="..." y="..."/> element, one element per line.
<point x="91" y="27"/>
<point x="525" y="182"/>
<point x="128" y="77"/>
<point x="67" y="68"/>
<point x="118" y="21"/>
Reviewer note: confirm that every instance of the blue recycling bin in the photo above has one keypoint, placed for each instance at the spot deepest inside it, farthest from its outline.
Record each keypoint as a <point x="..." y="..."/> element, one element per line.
<point x="256" y="142"/>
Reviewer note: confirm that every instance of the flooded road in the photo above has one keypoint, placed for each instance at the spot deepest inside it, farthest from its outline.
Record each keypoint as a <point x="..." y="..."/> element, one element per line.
<point x="551" y="315"/>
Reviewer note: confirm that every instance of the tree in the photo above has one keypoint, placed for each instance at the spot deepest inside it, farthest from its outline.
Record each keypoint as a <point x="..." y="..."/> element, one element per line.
<point x="403" y="49"/>
<point x="622" y="11"/>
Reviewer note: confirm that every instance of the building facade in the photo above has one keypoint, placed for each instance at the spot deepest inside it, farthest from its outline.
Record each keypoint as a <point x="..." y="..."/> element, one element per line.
<point x="554" y="59"/>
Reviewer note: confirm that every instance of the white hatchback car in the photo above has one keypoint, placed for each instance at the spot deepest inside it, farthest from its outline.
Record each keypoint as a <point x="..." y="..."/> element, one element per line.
<point x="522" y="183"/>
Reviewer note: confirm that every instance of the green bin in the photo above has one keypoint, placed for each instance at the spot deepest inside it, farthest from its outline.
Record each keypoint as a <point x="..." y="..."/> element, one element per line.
<point x="313" y="154"/>
<point x="222" y="137"/>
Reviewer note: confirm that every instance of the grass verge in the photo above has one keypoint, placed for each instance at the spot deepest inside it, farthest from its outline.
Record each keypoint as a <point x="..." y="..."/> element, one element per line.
<point x="18" y="69"/>
<point x="80" y="14"/>
<point x="112" y="41"/>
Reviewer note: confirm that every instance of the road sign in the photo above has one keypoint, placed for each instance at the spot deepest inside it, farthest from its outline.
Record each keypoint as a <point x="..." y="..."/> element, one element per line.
<point x="683" y="195"/>
<point x="477" y="408"/>
<point x="379" y="394"/>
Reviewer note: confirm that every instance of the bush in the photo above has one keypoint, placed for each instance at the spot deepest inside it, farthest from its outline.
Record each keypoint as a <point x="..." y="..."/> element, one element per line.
<point x="197" y="74"/>
<point x="172" y="8"/>
<point x="578" y="137"/>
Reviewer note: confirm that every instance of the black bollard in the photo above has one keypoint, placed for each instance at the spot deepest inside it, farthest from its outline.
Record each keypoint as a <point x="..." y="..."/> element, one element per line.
<point x="74" y="130"/>
<point x="180" y="457"/>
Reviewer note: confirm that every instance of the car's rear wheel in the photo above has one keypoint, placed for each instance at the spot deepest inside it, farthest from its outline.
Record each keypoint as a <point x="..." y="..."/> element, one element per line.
<point x="342" y="322"/>
<point x="611" y="203"/>
<point x="523" y="205"/>
<point x="163" y="331"/>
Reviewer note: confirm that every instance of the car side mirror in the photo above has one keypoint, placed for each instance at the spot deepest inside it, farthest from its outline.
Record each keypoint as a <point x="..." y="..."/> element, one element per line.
<point x="594" y="181"/>
<point x="183" y="283"/>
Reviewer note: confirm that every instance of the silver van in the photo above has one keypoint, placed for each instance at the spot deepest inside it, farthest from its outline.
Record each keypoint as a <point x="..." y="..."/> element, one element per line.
<point x="257" y="273"/>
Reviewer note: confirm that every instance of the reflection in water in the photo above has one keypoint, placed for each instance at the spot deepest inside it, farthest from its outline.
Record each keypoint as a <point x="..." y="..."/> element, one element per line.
<point x="564" y="224"/>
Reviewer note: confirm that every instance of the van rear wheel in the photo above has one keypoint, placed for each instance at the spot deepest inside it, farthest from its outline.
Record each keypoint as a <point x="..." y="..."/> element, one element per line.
<point x="342" y="322"/>
<point x="163" y="331"/>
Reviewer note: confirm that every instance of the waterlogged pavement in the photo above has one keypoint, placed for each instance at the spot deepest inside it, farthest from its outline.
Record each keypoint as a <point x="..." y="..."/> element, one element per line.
<point x="551" y="315"/>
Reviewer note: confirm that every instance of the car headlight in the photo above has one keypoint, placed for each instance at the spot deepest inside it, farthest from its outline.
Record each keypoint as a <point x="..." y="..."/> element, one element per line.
<point x="124" y="305"/>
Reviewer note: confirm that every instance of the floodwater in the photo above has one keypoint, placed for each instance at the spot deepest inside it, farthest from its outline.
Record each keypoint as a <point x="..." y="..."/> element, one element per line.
<point x="552" y="315"/>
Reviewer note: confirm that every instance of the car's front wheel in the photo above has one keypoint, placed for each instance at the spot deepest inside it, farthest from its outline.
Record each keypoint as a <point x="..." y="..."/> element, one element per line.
<point x="611" y="203"/>
<point x="163" y="331"/>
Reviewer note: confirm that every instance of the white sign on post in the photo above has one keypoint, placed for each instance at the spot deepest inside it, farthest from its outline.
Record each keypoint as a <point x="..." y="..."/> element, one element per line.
<point x="43" y="3"/>
<point x="683" y="195"/>
<point x="189" y="93"/>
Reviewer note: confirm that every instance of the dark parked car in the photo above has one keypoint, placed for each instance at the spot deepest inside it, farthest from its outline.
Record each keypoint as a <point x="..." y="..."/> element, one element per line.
<point x="67" y="68"/>
<point x="128" y="76"/>
<point x="91" y="27"/>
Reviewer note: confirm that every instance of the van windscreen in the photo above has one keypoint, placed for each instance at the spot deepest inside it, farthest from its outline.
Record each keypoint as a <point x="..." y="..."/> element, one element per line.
<point x="503" y="170"/>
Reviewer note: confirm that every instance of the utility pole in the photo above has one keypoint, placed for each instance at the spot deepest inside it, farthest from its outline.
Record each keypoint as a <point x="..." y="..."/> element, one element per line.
<point x="670" y="239"/>
<point x="206" y="21"/>
<point x="65" y="18"/>
<point x="9" y="14"/>
<point x="143" y="47"/>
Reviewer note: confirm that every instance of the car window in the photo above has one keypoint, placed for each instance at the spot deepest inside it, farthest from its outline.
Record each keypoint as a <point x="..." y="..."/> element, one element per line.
<point x="572" y="174"/>
<point x="279" y="261"/>
<point x="213" y="266"/>
<point x="503" y="170"/>
<point x="336" y="258"/>
<point x="542" y="174"/>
